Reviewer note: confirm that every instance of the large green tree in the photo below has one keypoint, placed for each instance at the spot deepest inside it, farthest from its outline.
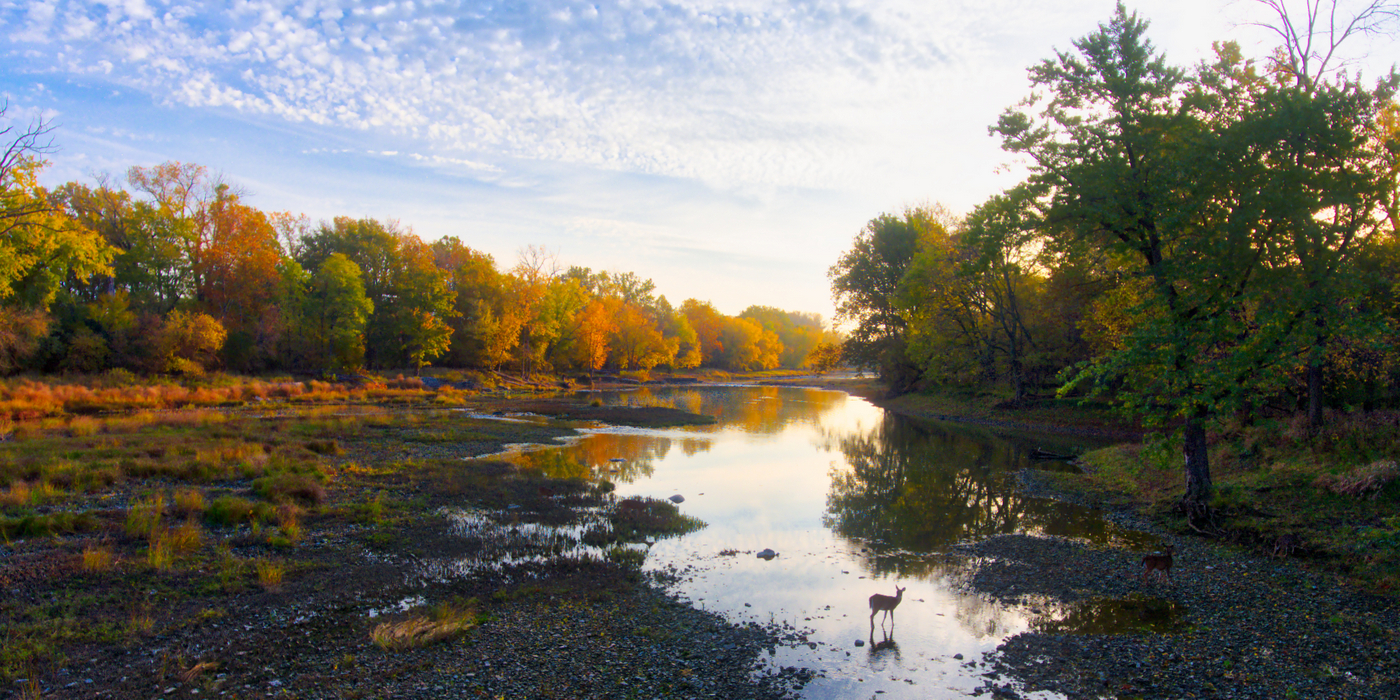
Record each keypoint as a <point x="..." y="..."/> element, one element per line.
<point x="1133" y="158"/>
<point x="865" y="282"/>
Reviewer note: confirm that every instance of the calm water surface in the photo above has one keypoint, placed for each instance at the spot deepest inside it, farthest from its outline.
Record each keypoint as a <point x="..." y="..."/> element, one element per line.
<point x="855" y="501"/>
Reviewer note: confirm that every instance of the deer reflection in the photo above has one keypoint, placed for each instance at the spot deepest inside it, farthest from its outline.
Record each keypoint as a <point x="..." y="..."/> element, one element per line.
<point x="883" y="650"/>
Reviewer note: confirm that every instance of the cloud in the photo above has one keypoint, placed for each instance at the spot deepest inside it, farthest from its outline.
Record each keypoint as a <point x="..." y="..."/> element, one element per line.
<point x="731" y="91"/>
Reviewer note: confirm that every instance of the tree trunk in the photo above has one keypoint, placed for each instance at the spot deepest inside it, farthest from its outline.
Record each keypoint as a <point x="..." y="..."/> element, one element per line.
<point x="1196" y="502"/>
<point x="1314" y="397"/>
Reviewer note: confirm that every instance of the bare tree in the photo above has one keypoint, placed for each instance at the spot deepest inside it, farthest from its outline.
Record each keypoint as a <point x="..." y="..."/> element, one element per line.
<point x="1312" y="34"/>
<point x="20" y="145"/>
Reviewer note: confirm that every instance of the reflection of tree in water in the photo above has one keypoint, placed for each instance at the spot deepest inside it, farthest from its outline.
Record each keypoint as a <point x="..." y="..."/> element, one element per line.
<point x="981" y="618"/>
<point x="760" y="409"/>
<point x="593" y="456"/>
<point x="1109" y="616"/>
<point x="919" y="487"/>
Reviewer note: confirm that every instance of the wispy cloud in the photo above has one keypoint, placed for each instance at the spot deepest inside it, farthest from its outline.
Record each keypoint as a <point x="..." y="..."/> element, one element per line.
<point x="751" y="91"/>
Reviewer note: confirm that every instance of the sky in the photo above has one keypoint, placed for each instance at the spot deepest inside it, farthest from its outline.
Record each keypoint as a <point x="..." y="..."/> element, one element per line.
<point x="729" y="150"/>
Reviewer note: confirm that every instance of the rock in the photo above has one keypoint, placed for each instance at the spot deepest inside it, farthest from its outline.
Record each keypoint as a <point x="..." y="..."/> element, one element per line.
<point x="677" y="499"/>
<point x="432" y="382"/>
<point x="860" y="642"/>
<point x="767" y="555"/>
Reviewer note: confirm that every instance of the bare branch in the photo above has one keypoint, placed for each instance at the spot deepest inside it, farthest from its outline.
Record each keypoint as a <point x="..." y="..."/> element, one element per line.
<point x="1310" y="38"/>
<point x="32" y="141"/>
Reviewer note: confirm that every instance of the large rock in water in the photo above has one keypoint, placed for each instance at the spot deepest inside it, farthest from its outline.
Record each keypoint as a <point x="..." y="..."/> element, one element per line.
<point x="767" y="555"/>
<point x="677" y="499"/>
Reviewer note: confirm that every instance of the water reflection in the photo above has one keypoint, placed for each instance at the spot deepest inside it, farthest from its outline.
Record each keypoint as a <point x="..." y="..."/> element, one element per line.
<point x="915" y="486"/>
<point x="856" y="502"/>
<point x="753" y="409"/>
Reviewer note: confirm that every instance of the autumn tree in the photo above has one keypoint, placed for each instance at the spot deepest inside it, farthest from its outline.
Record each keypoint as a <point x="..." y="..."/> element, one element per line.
<point x="40" y="246"/>
<point x="708" y="324"/>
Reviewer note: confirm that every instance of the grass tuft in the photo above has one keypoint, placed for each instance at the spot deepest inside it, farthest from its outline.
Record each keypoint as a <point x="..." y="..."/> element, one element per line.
<point x="97" y="559"/>
<point x="270" y="572"/>
<point x="143" y="518"/>
<point x="419" y="631"/>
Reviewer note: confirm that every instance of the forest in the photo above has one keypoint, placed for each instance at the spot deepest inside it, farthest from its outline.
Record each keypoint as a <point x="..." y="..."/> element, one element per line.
<point x="1191" y="245"/>
<point x="171" y="271"/>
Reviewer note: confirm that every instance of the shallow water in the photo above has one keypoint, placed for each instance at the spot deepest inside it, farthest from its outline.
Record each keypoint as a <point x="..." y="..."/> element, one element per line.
<point x="855" y="501"/>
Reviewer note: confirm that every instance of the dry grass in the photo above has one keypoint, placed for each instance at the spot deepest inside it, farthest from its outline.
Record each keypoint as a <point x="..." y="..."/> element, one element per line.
<point x="420" y="631"/>
<point x="189" y="502"/>
<point x="83" y="426"/>
<point x="160" y="555"/>
<point x="196" y="670"/>
<point x="141" y="622"/>
<point x="270" y="573"/>
<point x="185" y="539"/>
<point x="1362" y="482"/>
<point x="27" y="399"/>
<point x="97" y="559"/>
<point x="288" y="518"/>
<point x="143" y="517"/>
<point x="17" y="495"/>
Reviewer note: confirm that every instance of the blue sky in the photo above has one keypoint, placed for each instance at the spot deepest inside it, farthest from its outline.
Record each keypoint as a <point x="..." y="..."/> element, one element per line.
<point x="728" y="149"/>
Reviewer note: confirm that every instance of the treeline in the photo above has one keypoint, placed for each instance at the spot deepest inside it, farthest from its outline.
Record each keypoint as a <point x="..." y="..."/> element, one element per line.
<point x="1191" y="244"/>
<point x="174" y="272"/>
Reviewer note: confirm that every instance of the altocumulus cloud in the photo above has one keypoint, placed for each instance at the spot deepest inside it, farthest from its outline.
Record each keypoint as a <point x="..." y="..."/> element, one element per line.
<point x="740" y="91"/>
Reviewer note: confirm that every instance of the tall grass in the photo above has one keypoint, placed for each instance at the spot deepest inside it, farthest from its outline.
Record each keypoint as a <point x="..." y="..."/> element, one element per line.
<point x="143" y="517"/>
<point x="26" y="399"/>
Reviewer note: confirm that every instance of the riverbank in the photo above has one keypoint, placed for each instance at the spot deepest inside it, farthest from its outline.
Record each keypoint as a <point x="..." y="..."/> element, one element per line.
<point x="316" y="547"/>
<point x="1281" y="603"/>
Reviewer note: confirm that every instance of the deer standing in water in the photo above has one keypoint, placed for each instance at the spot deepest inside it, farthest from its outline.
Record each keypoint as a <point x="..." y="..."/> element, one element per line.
<point x="1159" y="562"/>
<point x="885" y="603"/>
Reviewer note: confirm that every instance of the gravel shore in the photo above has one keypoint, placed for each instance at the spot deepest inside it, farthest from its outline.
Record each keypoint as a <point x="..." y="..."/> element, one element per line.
<point x="1238" y="626"/>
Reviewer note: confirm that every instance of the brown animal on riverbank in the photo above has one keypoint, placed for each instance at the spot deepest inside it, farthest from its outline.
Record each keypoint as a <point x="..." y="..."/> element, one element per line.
<point x="1159" y="562"/>
<point x="886" y="603"/>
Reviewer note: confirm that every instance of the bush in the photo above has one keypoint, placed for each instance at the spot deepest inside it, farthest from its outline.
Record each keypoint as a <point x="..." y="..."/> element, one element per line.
<point x="228" y="511"/>
<point x="283" y="488"/>
<point x="1367" y="481"/>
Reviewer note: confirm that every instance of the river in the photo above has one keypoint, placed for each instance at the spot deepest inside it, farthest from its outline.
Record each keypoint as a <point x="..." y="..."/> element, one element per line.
<point x="855" y="501"/>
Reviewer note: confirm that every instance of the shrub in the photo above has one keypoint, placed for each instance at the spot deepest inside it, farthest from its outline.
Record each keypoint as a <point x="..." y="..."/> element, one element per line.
<point x="82" y="426"/>
<point x="228" y="511"/>
<point x="1367" y="481"/>
<point x="324" y="447"/>
<point x="189" y="502"/>
<point x="283" y="488"/>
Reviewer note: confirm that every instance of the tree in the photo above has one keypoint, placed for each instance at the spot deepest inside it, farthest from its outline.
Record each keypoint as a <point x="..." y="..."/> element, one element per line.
<point x="595" y="327"/>
<point x="335" y="313"/>
<point x="865" y="282"/>
<point x="421" y="302"/>
<point x="183" y="194"/>
<point x="189" y="342"/>
<point x="1310" y="39"/>
<point x="1124" y="162"/>
<point x="240" y="272"/>
<point x="1336" y="163"/>
<point x="708" y="324"/>
<point x="799" y="332"/>
<point x="480" y="338"/>
<point x="40" y="246"/>
<point x="533" y="271"/>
